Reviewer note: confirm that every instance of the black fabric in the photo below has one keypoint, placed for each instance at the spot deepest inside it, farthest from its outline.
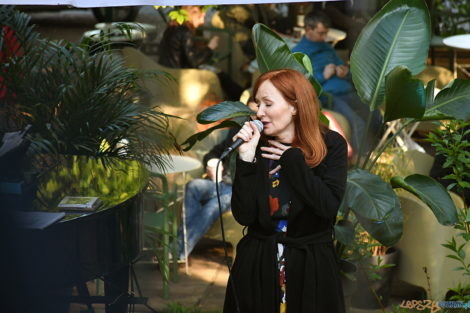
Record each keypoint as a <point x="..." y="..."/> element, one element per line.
<point x="178" y="50"/>
<point x="313" y="281"/>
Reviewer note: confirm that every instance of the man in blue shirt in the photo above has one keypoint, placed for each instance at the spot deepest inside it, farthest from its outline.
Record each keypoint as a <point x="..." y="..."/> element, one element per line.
<point x="331" y="72"/>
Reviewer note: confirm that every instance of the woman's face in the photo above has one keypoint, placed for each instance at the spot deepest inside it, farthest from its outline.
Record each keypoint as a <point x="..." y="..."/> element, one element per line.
<point x="275" y="113"/>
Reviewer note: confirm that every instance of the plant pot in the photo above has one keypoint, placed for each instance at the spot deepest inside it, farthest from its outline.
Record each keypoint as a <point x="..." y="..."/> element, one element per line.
<point x="349" y="285"/>
<point x="364" y="298"/>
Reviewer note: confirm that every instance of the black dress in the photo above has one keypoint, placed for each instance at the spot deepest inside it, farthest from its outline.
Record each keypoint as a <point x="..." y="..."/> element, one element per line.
<point x="312" y="274"/>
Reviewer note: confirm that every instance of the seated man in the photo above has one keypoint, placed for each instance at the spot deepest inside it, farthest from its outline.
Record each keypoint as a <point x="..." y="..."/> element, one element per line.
<point x="331" y="72"/>
<point x="178" y="49"/>
<point x="200" y="199"/>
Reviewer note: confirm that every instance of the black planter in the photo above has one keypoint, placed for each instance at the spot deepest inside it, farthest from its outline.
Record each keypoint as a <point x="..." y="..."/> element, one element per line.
<point x="364" y="298"/>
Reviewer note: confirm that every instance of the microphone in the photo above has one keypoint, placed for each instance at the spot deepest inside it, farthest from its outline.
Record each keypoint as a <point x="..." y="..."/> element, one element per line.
<point x="237" y="143"/>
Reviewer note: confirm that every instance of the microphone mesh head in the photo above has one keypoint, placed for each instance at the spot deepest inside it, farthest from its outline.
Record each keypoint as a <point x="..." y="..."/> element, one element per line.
<point x="259" y="125"/>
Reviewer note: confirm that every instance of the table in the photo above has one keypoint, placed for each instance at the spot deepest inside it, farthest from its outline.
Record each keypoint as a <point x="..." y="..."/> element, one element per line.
<point x="459" y="42"/>
<point x="179" y="164"/>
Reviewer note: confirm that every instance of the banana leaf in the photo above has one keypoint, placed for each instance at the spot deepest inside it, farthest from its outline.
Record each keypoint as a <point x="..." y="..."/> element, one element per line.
<point x="344" y="232"/>
<point x="451" y="102"/>
<point x="273" y="53"/>
<point x="399" y="34"/>
<point x="432" y="193"/>
<point x="373" y="201"/>
<point x="405" y="96"/>
<point x="223" y="110"/>
<point x="192" y="140"/>
<point x="387" y="231"/>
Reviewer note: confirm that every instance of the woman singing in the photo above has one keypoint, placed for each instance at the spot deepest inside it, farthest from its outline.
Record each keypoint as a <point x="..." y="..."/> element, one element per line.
<point x="288" y="186"/>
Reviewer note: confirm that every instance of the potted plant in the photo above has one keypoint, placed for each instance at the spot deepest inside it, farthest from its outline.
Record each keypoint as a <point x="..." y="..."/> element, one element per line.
<point x="66" y="100"/>
<point x="452" y="145"/>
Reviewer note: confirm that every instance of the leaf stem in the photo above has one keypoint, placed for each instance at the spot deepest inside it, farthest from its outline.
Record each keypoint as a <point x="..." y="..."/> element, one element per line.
<point x="388" y="142"/>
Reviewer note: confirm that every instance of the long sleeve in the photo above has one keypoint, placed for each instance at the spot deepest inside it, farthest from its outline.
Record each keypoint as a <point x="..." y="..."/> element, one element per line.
<point x="320" y="189"/>
<point x="244" y="192"/>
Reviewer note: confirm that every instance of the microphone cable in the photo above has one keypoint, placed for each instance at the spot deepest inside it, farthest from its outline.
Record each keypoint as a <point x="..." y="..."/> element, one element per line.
<point x="227" y="260"/>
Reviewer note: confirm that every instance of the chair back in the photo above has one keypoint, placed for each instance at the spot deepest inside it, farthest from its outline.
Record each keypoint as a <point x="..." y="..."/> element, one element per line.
<point x="188" y="89"/>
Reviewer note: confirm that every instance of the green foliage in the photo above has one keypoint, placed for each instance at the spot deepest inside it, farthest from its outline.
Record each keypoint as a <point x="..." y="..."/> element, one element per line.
<point x="181" y="15"/>
<point x="432" y="193"/>
<point x="391" y="48"/>
<point x="460" y="293"/>
<point x="391" y="38"/>
<point x="459" y="255"/>
<point x="405" y="95"/>
<point x="451" y="17"/>
<point x="175" y="307"/>
<point x="273" y="53"/>
<point x="452" y="142"/>
<point x="79" y="101"/>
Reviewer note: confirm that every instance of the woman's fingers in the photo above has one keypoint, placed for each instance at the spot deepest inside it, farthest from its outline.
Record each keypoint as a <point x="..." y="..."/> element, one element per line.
<point x="272" y="150"/>
<point x="271" y="156"/>
<point x="274" y="170"/>
<point x="245" y="133"/>
<point x="275" y="151"/>
<point x="278" y="145"/>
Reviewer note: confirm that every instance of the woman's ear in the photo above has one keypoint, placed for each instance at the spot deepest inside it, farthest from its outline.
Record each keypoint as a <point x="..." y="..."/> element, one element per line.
<point x="293" y="110"/>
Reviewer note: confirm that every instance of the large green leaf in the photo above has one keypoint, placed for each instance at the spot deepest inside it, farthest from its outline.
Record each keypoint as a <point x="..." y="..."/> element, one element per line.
<point x="192" y="140"/>
<point x="388" y="230"/>
<point x="344" y="232"/>
<point x="373" y="200"/>
<point x="405" y="96"/>
<point x="273" y="53"/>
<point x="452" y="101"/>
<point x="399" y="34"/>
<point x="223" y="110"/>
<point x="368" y="195"/>
<point x="432" y="193"/>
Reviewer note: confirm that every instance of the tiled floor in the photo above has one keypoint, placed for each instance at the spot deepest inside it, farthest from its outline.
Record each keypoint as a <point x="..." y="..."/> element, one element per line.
<point x="203" y="288"/>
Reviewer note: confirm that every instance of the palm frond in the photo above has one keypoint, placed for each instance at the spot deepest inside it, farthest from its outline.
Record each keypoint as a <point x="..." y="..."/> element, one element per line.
<point x="82" y="103"/>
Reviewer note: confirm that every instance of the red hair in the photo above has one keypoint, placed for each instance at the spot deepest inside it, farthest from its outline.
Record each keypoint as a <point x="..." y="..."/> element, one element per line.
<point x="299" y="92"/>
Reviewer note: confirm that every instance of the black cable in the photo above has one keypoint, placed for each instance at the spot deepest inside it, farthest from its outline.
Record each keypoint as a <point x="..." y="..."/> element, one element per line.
<point x="227" y="260"/>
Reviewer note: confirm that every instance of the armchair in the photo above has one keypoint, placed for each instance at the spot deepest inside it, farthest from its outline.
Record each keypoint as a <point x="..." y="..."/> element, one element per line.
<point x="420" y="245"/>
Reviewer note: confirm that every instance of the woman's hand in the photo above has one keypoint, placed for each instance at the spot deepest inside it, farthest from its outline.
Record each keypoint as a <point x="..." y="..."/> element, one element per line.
<point x="274" y="152"/>
<point x="250" y="135"/>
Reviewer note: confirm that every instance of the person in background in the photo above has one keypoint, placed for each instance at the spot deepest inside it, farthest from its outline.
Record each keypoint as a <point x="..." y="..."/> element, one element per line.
<point x="288" y="186"/>
<point x="179" y="50"/>
<point x="331" y="72"/>
<point x="200" y="198"/>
